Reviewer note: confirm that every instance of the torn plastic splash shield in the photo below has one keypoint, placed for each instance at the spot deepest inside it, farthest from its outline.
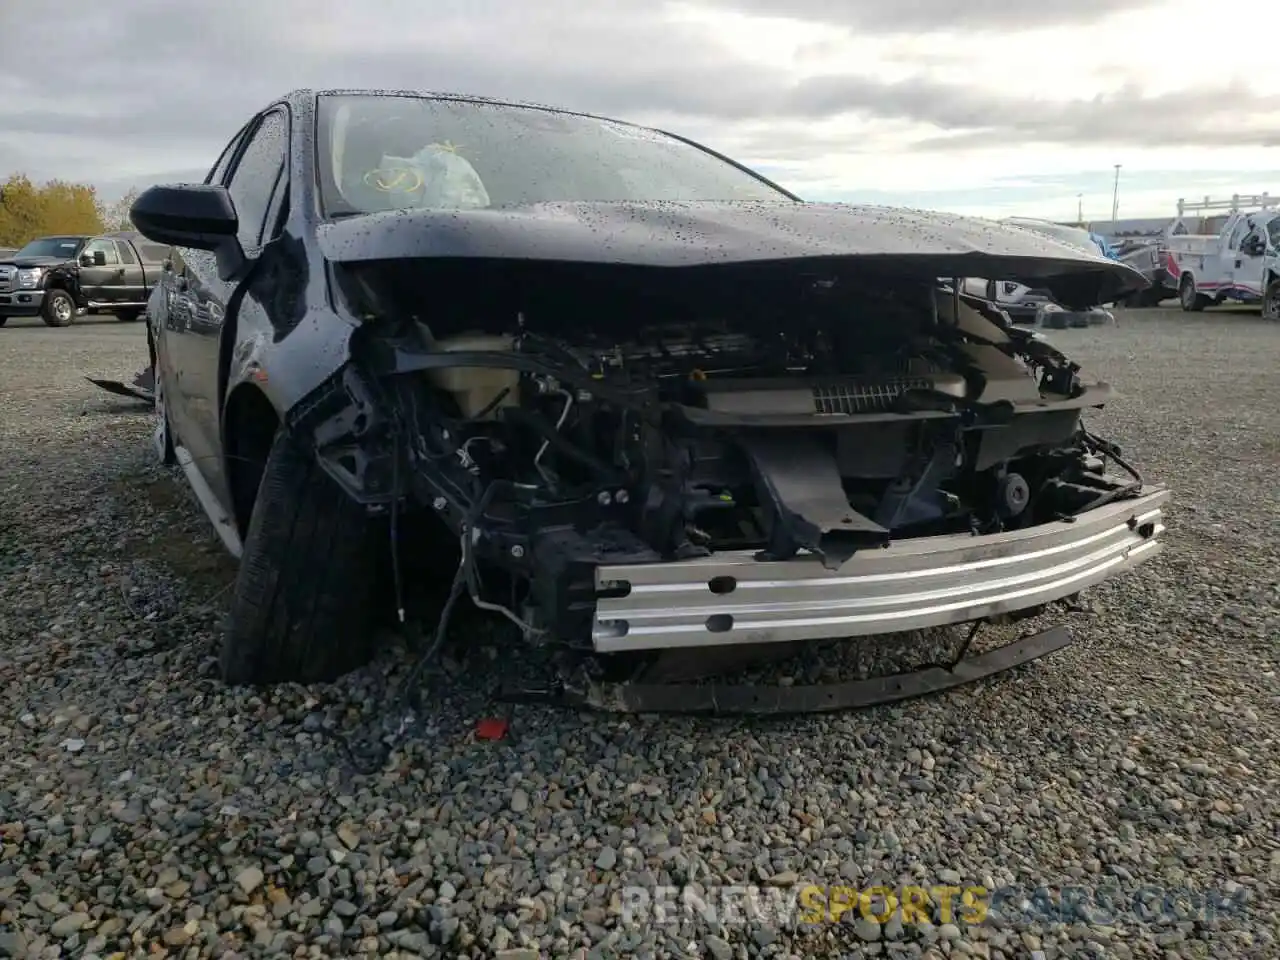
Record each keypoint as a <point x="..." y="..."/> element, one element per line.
<point x="745" y="699"/>
<point x="142" y="388"/>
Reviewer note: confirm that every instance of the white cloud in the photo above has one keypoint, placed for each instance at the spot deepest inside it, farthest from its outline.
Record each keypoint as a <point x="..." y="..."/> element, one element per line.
<point x="975" y="107"/>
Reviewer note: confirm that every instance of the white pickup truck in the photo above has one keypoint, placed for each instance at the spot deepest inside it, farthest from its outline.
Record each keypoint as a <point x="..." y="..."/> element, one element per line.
<point x="1240" y="264"/>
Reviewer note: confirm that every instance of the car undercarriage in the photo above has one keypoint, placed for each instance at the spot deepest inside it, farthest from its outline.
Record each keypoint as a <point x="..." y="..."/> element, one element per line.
<point x="740" y="459"/>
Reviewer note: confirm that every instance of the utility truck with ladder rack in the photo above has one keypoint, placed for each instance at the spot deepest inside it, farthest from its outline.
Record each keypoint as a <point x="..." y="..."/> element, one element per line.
<point x="1240" y="263"/>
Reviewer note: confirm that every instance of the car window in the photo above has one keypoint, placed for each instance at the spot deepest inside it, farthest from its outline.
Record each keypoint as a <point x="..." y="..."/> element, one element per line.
<point x="126" y="252"/>
<point x="106" y="246"/>
<point x="380" y="152"/>
<point x="1238" y="234"/>
<point x="255" y="175"/>
<point x="277" y="206"/>
<point x="218" y="173"/>
<point x="1273" y="231"/>
<point x="153" y="252"/>
<point x="64" y="247"/>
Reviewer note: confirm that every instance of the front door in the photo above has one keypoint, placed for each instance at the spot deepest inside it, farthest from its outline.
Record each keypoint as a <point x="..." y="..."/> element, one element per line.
<point x="252" y="180"/>
<point x="101" y="273"/>
<point x="133" y="287"/>
<point x="1252" y="260"/>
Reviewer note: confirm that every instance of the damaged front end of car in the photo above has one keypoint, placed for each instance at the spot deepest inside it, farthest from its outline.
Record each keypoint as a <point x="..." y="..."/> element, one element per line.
<point x="635" y="461"/>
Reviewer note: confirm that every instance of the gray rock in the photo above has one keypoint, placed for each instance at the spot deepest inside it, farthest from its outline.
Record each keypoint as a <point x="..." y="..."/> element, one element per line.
<point x="892" y="929"/>
<point x="866" y="929"/>
<point x="764" y="936"/>
<point x="249" y="879"/>
<point x="68" y="924"/>
<point x="13" y="943"/>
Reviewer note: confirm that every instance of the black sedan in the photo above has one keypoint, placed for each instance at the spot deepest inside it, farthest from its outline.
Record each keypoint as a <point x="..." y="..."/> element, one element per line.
<point x="611" y="386"/>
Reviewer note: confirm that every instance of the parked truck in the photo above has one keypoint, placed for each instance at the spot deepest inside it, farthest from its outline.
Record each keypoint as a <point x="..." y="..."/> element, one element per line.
<point x="1240" y="263"/>
<point x="60" y="278"/>
<point x="1149" y="257"/>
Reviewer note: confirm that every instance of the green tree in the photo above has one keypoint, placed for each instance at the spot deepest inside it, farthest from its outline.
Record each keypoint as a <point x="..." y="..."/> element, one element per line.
<point x="21" y="211"/>
<point x="28" y="211"/>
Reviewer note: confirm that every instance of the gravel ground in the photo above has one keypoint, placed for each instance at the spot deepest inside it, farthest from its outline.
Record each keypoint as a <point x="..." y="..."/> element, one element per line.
<point x="145" y="810"/>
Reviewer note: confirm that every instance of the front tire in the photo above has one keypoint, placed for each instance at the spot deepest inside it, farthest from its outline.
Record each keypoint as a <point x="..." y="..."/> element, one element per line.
<point x="1191" y="301"/>
<point x="1271" y="301"/>
<point x="58" y="309"/>
<point x="3" y="321"/>
<point x="302" y="607"/>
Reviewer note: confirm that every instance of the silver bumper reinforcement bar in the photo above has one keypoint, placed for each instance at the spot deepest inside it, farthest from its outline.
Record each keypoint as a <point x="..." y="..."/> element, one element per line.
<point x="732" y="598"/>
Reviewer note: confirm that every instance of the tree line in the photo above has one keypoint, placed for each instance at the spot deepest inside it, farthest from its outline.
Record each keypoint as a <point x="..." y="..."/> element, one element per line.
<point x="29" y="210"/>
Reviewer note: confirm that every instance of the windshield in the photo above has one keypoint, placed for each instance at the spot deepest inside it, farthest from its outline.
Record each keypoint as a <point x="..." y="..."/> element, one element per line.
<point x="1273" y="232"/>
<point x="378" y="152"/>
<point x="64" y="247"/>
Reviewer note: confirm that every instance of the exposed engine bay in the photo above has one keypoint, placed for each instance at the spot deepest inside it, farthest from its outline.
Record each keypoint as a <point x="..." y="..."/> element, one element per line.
<point x="554" y="431"/>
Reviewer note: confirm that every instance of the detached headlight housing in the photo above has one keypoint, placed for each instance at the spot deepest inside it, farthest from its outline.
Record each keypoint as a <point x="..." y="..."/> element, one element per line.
<point x="29" y="278"/>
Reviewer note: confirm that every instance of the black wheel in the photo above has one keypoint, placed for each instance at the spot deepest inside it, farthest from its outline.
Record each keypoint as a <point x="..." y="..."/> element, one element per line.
<point x="58" y="309"/>
<point x="1054" y="319"/>
<point x="1191" y="301"/>
<point x="129" y="316"/>
<point x="302" y="607"/>
<point x="3" y="321"/>
<point x="1271" y="301"/>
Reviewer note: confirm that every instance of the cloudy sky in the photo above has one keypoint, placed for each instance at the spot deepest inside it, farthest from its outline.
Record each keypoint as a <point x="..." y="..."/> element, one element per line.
<point x="988" y="107"/>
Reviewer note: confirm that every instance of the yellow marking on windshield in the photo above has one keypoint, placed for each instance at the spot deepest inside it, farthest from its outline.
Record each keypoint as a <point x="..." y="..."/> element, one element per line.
<point x="394" y="180"/>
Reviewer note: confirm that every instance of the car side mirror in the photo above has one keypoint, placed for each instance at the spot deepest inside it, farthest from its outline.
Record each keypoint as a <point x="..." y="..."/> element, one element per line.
<point x="200" y="216"/>
<point x="86" y="260"/>
<point x="99" y="258"/>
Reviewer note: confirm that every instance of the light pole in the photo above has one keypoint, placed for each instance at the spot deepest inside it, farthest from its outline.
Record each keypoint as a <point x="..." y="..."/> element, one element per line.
<point x="1080" y="209"/>
<point x="1115" y="197"/>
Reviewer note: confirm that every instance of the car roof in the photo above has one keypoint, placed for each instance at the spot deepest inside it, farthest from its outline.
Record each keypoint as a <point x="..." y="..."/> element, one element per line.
<point x="307" y="93"/>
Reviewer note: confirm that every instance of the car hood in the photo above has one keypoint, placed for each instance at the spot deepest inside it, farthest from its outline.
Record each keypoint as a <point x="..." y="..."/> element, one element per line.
<point x="811" y="236"/>
<point x="25" y="262"/>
